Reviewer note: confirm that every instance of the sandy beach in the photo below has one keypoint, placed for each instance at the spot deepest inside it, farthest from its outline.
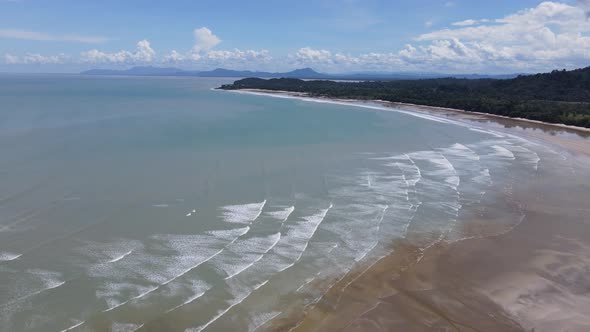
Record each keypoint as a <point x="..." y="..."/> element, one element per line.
<point x="533" y="277"/>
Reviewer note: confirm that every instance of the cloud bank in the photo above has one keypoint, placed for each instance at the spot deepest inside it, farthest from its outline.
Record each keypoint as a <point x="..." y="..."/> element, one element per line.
<point x="550" y="35"/>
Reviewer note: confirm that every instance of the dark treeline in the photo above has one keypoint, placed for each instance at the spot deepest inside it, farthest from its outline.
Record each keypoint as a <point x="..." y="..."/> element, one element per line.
<point x="557" y="97"/>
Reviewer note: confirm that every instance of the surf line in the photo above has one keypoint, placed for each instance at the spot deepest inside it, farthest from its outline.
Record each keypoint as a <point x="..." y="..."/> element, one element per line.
<point x="247" y="229"/>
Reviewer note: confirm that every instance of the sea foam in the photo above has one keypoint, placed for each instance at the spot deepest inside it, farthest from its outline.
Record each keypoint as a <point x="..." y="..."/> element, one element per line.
<point x="244" y="213"/>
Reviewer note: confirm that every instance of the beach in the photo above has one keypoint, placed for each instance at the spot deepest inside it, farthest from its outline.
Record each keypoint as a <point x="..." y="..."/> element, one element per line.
<point x="172" y="206"/>
<point x="532" y="277"/>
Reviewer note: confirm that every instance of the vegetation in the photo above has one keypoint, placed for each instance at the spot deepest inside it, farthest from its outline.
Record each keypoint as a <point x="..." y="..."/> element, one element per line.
<point x="557" y="97"/>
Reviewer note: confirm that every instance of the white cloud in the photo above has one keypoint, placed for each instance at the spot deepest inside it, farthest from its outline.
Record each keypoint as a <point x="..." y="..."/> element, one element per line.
<point x="551" y="35"/>
<point x="143" y="54"/>
<point x="204" y="40"/>
<point x="465" y="23"/>
<point x="309" y="55"/>
<point x="237" y="54"/>
<point x="235" y="58"/>
<point x="34" y="58"/>
<point x="40" y="36"/>
<point x="450" y="4"/>
<point x="428" y="24"/>
<point x="174" y="57"/>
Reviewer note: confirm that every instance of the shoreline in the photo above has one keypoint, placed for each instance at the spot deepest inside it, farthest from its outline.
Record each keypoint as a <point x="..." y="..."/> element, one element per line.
<point x="547" y="132"/>
<point x="532" y="277"/>
<point x="417" y="107"/>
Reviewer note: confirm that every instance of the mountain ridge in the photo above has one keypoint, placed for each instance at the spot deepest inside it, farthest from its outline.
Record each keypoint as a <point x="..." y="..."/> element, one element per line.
<point x="301" y="73"/>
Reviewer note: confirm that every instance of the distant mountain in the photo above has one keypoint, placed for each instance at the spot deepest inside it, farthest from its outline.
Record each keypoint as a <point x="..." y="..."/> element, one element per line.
<point x="306" y="73"/>
<point x="303" y="73"/>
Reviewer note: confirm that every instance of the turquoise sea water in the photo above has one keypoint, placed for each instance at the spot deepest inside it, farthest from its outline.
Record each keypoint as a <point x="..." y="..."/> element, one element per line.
<point x="157" y="204"/>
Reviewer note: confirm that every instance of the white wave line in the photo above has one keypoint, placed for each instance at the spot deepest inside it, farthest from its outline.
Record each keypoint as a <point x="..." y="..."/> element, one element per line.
<point x="180" y="275"/>
<point x="504" y="152"/>
<point x="116" y="259"/>
<point x="260" y="211"/>
<point x="256" y="260"/>
<point x="118" y="305"/>
<point x="223" y="312"/>
<point x="7" y="257"/>
<point x="131" y="299"/>
<point x="304" y="284"/>
<point x="473" y="151"/>
<point x="290" y="209"/>
<point x="183" y="273"/>
<point x="140" y="326"/>
<point x="73" y="326"/>
<point x="266" y="321"/>
<point x="323" y="214"/>
<point x="455" y="186"/>
<point x="33" y="294"/>
<point x="489" y="132"/>
<point x="405" y="180"/>
<point x="190" y="300"/>
<point x="416" y="167"/>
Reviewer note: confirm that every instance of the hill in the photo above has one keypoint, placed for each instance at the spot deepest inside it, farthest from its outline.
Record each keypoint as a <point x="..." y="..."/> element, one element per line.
<point x="303" y="73"/>
<point x="306" y="73"/>
<point x="558" y="97"/>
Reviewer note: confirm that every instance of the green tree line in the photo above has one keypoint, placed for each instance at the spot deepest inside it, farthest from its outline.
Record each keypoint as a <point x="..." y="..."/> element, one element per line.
<point x="559" y="96"/>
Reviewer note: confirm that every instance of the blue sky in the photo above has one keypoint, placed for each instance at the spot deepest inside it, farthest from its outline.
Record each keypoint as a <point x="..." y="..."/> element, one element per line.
<point x="333" y="36"/>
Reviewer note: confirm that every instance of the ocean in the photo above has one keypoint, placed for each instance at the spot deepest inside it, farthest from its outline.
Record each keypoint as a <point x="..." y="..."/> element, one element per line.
<point x="152" y="204"/>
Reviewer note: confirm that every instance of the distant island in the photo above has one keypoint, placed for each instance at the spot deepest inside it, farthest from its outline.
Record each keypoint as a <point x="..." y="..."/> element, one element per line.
<point x="303" y="73"/>
<point x="557" y="97"/>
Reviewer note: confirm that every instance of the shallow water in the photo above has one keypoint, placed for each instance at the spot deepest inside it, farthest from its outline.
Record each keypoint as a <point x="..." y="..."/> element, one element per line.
<point x="160" y="204"/>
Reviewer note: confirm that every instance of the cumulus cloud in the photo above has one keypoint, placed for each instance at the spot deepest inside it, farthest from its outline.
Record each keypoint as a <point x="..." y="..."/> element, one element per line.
<point x="551" y="34"/>
<point x="174" y="57"/>
<point x="202" y="53"/>
<point x="204" y="40"/>
<point x="40" y="36"/>
<point x="143" y="54"/>
<point x="235" y="58"/>
<point x="309" y="55"/>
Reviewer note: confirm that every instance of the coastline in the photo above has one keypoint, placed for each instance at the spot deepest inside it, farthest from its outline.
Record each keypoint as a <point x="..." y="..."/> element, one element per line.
<point x="531" y="278"/>
<point x="539" y="129"/>
<point x="417" y="107"/>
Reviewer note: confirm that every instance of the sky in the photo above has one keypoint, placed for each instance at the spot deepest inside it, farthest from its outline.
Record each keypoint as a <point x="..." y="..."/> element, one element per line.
<point x="444" y="36"/>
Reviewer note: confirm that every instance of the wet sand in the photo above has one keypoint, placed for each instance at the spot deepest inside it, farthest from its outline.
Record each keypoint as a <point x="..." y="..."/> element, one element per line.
<point x="535" y="277"/>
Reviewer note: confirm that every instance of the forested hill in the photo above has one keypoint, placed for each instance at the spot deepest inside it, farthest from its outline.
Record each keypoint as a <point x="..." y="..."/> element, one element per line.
<point x="559" y="97"/>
